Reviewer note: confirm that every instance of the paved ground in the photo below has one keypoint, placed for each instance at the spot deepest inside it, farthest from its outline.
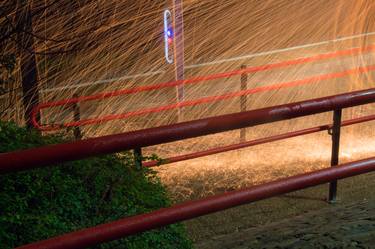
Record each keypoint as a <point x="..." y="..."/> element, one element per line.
<point x="339" y="226"/>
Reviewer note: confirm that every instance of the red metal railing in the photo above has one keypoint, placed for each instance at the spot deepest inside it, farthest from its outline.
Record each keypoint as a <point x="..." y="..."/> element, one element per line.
<point x="38" y="157"/>
<point x="192" y="209"/>
<point x="246" y="144"/>
<point x="43" y="156"/>
<point x="90" y="121"/>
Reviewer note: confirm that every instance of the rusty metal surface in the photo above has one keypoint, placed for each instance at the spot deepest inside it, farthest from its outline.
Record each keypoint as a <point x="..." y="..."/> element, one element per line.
<point x="44" y="156"/>
<point x="136" y="224"/>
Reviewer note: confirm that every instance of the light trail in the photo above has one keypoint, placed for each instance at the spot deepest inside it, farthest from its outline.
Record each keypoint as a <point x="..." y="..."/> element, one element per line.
<point x="205" y="100"/>
<point x="196" y="80"/>
<point x="244" y="57"/>
<point x="99" y="82"/>
<point x="158" y="72"/>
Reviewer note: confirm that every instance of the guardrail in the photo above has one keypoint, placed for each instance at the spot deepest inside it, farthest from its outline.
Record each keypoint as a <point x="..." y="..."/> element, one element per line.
<point x="200" y="80"/>
<point x="47" y="155"/>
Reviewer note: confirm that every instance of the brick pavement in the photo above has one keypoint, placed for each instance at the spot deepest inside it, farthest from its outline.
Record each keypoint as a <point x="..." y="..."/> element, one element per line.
<point x="340" y="226"/>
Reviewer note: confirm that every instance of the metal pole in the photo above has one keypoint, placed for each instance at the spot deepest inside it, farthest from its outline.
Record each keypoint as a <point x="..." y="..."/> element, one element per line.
<point x="138" y="158"/>
<point x="179" y="51"/>
<point x="243" y="102"/>
<point x="335" y="133"/>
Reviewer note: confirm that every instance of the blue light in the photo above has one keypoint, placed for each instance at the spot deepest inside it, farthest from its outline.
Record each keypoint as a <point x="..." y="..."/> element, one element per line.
<point x="169" y="32"/>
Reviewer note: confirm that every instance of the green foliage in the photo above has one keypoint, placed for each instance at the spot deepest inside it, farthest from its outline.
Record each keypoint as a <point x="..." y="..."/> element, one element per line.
<point x="45" y="202"/>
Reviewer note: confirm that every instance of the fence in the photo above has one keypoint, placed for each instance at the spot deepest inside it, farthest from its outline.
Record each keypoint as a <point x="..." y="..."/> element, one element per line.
<point x="44" y="156"/>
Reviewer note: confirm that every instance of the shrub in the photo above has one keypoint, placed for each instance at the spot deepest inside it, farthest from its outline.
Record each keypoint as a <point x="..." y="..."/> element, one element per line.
<point x="46" y="202"/>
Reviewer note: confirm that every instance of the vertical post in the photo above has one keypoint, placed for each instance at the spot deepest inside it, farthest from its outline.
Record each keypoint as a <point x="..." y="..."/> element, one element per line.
<point x="335" y="133"/>
<point x="179" y="51"/>
<point x="77" y="117"/>
<point x="243" y="101"/>
<point x="138" y="158"/>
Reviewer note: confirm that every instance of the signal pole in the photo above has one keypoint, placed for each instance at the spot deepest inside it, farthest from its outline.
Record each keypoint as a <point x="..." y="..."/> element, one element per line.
<point x="178" y="22"/>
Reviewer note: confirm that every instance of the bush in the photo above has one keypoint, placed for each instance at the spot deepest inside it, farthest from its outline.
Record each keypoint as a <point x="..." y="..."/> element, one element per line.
<point x="46" y="202"/>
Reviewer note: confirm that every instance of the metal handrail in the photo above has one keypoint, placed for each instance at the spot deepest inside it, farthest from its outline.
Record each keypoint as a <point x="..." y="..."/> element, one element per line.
<point x="259" y="141"/>
<point x="47" y="155"/>
<point x="43" y="156"/>
<point x="136" y="224"/>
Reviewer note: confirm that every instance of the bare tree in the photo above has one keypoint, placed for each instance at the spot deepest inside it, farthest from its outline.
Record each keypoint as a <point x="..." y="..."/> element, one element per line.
<point x="17" y="40"/>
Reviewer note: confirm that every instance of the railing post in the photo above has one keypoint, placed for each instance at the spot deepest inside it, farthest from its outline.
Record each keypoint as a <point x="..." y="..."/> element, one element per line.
<point x="243" y="101"/>
<point x="335" y="133"/>
<point x="138" y="158"/>
<point x="77" y="117"/>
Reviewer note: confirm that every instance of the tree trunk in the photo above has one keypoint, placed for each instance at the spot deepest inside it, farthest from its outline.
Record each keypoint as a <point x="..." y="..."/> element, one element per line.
<point x="28" y="66"/>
